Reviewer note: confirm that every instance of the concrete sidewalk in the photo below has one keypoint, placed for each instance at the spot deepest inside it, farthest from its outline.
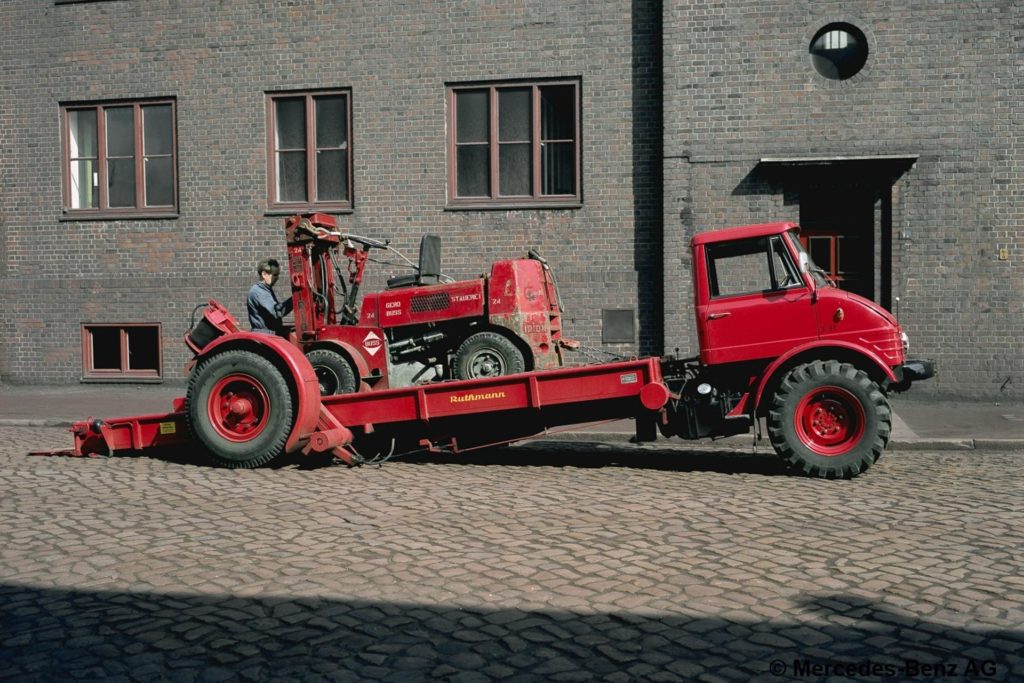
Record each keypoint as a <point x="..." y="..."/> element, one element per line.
<point x="917" y="423"/>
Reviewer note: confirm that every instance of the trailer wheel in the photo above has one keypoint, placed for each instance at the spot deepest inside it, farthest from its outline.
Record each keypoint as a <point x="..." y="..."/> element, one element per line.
<point x="829" y="419"/>
<point x="333" y="372"/>
<point x="487" y="354"/>
<point x="239" y="407"/>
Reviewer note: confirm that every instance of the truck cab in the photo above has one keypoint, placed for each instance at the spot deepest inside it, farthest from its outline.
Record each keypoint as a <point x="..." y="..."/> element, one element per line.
<point x="781" y="345"/>
<point x="759" y="295"/>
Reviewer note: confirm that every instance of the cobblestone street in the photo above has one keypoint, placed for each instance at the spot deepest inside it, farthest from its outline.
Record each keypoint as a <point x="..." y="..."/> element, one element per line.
<point x="546" y="562"/>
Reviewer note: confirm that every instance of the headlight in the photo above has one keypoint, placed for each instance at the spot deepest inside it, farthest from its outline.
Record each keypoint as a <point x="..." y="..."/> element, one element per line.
<point x="906" y="342"/>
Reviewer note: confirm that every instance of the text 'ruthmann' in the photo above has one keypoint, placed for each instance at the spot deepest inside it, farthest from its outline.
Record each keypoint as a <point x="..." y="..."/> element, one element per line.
<point x="467" y="398"/>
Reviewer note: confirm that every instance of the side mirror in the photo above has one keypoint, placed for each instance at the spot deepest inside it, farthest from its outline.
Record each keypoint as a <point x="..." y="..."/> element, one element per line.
<point x="805" y="268"/>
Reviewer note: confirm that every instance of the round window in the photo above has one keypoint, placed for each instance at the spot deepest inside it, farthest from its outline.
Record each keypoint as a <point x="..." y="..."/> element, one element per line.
<point x="839" y="51"/>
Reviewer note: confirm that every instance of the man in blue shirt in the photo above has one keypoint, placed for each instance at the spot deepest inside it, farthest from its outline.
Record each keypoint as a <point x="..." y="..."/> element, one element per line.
<point x="265" y="312"/>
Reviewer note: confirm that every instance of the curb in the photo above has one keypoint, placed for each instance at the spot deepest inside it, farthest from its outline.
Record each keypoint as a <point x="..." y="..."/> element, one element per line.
<point x="924" y="444"/>
<point x="745" y="442"/>
<point x="29" y="422"/>
<point x="999" y="444"/>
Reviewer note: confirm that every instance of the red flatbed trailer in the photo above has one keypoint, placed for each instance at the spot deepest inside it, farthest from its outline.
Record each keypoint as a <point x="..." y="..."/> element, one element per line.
<point x="455" y="416"/>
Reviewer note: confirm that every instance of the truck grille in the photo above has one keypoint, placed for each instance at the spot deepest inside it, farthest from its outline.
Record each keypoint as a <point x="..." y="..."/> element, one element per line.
<point x="430" y="302"/>
<point x="889" y="347"/>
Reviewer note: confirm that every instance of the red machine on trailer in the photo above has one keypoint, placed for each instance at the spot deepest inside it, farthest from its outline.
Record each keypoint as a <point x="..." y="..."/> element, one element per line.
<point x="778" y="341"/>
<point x="420" y="328"/>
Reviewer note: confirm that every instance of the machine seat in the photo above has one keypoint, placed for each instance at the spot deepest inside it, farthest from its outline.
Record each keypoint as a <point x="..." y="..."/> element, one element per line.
<point x="429" y="270"/>
<point x="402" y="280"/>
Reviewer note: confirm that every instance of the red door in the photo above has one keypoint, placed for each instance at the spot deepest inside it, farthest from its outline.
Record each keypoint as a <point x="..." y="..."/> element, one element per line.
<point x="759" y="306"/>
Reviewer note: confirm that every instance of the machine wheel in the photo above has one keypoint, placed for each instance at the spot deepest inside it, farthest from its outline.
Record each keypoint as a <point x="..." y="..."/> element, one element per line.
<point x="239" y="407"/>
<point x="829" y="419"/>
<point x="333" y="372"/>
<point x="487" y="354"/>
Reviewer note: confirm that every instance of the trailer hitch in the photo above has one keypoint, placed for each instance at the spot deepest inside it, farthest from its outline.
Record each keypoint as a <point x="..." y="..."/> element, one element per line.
<point x="103" y="438"/>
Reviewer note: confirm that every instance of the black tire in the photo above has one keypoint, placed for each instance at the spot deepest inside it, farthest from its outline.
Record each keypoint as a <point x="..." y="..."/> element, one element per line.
<point x="239" y="408"/>
<point x="829" y="419"/>
<point x="487" y="354"/>
<point x="333" y="372"/>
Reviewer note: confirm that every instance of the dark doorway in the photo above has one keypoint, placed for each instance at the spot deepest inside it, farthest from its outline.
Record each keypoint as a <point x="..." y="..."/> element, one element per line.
<point x="846" y="213"/>
<point x="838" y="229"/>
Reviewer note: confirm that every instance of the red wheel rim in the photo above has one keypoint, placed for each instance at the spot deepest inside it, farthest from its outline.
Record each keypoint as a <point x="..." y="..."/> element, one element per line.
<point x="829" y="421"/>
<point x="238" y="408"/>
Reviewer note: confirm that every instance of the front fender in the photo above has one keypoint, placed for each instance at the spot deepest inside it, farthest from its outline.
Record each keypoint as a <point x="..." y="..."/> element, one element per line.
<point x="297" y="370"/>
<point x="350" y="350"/>
<point x="820" y="350"/>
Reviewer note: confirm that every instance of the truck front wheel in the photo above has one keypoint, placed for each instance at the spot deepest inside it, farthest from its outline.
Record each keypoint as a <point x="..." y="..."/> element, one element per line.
<point x="238" y="406"/>
<point x="829" y="419"/>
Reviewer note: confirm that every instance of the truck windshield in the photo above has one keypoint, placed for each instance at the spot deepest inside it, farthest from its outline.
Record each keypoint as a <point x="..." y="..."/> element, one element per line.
<point x="821" y="278"/>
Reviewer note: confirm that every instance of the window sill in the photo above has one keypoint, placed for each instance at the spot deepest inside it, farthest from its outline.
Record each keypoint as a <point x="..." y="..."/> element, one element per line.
<point x="73" y="217"/>
<point x="292" y="210"/>
<point x="123" y="379"/>
<point x="513" y="206"/>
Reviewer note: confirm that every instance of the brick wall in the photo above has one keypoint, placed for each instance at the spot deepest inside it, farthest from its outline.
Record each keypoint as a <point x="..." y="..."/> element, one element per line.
<point x="218" y="60"/>
<point x="942" y="82"/>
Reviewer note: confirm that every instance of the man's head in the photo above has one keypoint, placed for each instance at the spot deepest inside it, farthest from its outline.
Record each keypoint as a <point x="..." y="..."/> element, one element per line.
<point x="268" y="269"/>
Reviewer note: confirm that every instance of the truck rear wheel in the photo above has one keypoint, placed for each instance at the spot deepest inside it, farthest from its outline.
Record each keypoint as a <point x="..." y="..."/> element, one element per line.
<point x="829" y="419"/>
<point x="487" y="354"/>
<point x="239" y="408"/>
<point x="333" y="372"/>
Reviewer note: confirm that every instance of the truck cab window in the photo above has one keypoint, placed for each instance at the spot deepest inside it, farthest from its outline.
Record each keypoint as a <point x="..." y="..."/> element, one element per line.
<point x="784" y="272"/>
<point x="740" y="267"/>
<point x="820" y="278"/>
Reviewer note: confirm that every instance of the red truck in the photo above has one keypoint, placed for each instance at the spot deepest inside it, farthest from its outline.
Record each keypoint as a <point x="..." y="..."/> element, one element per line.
<point x="779" y="344"/>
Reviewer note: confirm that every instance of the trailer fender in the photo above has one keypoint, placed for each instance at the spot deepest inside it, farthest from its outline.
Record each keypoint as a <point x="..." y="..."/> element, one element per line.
<point x="818" y="347"/>
<point x="361" y="368"/>
<point x="297" y="371"/>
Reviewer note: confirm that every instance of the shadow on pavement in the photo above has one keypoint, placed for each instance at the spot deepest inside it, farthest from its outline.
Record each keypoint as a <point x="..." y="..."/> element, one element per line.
<point x="597" y="454"/>
<point x="581" y="454"/>
<point x="56" y="634"/>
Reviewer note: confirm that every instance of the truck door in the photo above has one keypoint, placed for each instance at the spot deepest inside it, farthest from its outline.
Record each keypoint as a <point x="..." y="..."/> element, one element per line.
<point x="759" y="306"/>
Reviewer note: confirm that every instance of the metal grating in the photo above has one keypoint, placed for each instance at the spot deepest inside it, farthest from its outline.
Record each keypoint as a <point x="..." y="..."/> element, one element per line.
<point x="430" y="302"/>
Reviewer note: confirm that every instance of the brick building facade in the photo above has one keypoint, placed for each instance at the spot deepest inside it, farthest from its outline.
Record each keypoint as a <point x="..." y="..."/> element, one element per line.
<point x="918" y="155"/>
<point x="688" y="116"/>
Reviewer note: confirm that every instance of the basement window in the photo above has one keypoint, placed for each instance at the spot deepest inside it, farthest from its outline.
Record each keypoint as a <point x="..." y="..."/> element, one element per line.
<point x="121" y="352"/>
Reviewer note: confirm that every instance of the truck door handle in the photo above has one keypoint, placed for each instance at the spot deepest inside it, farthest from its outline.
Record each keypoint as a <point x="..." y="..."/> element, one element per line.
<point x="716" y="316"/>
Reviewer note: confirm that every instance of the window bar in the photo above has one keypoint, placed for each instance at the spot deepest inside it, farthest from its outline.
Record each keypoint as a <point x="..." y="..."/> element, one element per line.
<point x="101" y="153"/>
<point x="174" y="154"/>
<point x="537" y="144"/>
<point x="577" y="143"/>
<point x="123" y="339"/>
<point x="492" y="138"/>
<point x="310" y="150"/>
<point x="140" y="179"/>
